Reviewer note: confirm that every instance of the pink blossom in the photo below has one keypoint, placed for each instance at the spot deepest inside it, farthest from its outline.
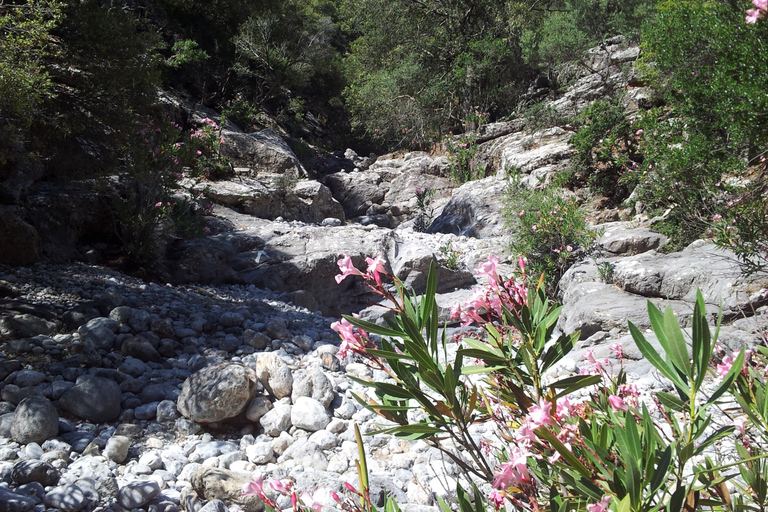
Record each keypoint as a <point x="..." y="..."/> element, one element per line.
<point x="351" y="488"/>
<point x="639" y="132"/>
<point x="496" y="498"/>
<point x="351" y="341"/>
<point x="279" y="486"/>
<point x="158" y="204"/>
<point x="565" y="408"/>
<point x="514" y="472"/>
<point x="374" y="267"/>
<point x="315" y="501"/>
<point x="717" y="218"/>
<point x="198" y="152"/>
<point x="617" y="403"/>
<point x="347" y="269"/>
<point x="761" y="4"/>
<point x="488" y="268"/>
<point x="541" y="414"/>
<point x="741" y="424"/>
<point x="255" y="488"/>
<point x="724" y="367"/>
<point x="525" y="434"/>
<point x="601" y="506"/>
<point x="455" y="311"/>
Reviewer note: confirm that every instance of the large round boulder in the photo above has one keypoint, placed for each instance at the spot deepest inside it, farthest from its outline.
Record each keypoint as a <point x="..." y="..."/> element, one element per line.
<point x="97" y="400"/>
<point x="35" y="421"/>
<point x="217" y="393"/>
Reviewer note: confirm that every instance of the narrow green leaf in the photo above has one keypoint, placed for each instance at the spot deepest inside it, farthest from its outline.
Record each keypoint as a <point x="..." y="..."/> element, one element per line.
<point x="564" y="452"/>
<point x="571" y="384"/>
<point x="671" y="401"/>
<point x="701" y="340"/>
<point x="560" y="349"/>
<point x="374" y="328"/>
<point x="677" y="350"/>
<point x="443" y="505"/>
<point x="662" y="466"/>
<point x="428" y="301"/>
<point x="654" y="358"/>
<point x="718" y="434"/>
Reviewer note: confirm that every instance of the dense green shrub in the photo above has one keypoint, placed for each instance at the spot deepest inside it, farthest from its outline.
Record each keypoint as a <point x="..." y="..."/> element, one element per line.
<point x="548" y="228"/>
<point x="569" y="27"/>
<point x="712" y="70"/>
<point x="607" y="149"/>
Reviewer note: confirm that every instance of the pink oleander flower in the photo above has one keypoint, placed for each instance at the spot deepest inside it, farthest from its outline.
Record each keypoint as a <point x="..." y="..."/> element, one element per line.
<point x="753" y="15"/>
<point x="347" y="269"/>
<point x="317" y="500"/>
<point x="455" y="311"/>
<point x="525" y="434"/>
<point x="617" y="403"/>
<point x="565" y="408"/>
<point x="488" y="268"/>
<point x="158" y="204"/>
<point x="255" y="488"/>
<point x="514" y="472"/>
<point x="351" y="341"/>
<point x="280" y="486"/>
<point x="760" y="4"/>
<point x="539" y="415"/>
<point x="741" y="424"/>
<point x="601" y="506"/>
<point x="496" y="498"/>
<point x="351" y="488"/>
<point x="374" y="267"/>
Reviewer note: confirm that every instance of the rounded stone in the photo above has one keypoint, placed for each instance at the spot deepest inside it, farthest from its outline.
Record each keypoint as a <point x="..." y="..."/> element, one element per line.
<point x="35" y="421"/>
<point x="137" y="494"/>
<point x="117" y="448"/>
<point x="69" y="498"/>
<point x="217" y="393"/>
<point x="309" y="414"/>
<point x="97" y="400"/>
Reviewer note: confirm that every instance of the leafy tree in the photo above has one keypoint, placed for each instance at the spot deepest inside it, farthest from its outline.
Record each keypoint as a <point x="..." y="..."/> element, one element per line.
<point x="703" y="153"/>
<point x="419" y="68"/>
<point x="26" y="42"/>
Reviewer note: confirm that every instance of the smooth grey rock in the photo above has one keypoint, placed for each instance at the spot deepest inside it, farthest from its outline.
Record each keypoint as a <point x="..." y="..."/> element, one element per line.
<point x="260" y="453"/>
<point x="99" y="332"/>
<point x="137" y="494"/>
<point x="35" y="421"/>
<point x="26" y="378"/>
<point x="96" y="399"/>
<point x="221" y="484"/>
<point x="117" y="448"/>
<point x="15" y="502"/>
<point x="274" y="374"/>
<point x="214" y="506"/>
<point x="166" y="411"/>
<point x="217" y="393"/>
<point x="309" y="414"/>
<point x="231" y="319"/>
<point x="621" y="238"/>
<point x="258" y="407"/>
<point x="277" y="420"/>
<point x="69" y="498"/>
<point x="26" y="471"/>
<point x="313" y="383"/>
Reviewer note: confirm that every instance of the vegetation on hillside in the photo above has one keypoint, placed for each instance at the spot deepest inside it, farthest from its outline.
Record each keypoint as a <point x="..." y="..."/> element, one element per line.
<point x="78" y="79"/>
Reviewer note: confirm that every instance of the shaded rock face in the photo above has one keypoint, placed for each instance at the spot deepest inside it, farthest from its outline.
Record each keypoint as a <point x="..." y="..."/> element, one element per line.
<point x="266" y="198"/>
<point x="264" y="150"/>
<point x="19" y="240"/>
<point x="217" y="393"/>
<point x="474" y="210"/>
<point x="96" y="399"/>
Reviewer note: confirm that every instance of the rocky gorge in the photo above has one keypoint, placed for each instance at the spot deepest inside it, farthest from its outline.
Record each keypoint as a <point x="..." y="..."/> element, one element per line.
<point x="123" y="394"/>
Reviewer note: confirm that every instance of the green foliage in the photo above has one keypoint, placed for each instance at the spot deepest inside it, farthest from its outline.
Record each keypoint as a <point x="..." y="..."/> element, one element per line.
<point x="569" y="27"/>
<point x="449" y="257"/>
<point x="424" y="209"/>
<point x="608" y="452"/>
<point x="144" y="204"/>
<point x="461" y="152"/>
<point x="185" y="52"/>
<point x="26" y="42"/>
<point x="607" y="149"/>
<point x="710" y="65"/>
<point x="426" y="66"/>
<point x="546" y="227"/>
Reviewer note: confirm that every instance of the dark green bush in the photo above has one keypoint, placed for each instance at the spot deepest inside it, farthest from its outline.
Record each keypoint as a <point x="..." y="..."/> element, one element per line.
<point x="548" y="228"/>
<point x="712" y="69"/>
